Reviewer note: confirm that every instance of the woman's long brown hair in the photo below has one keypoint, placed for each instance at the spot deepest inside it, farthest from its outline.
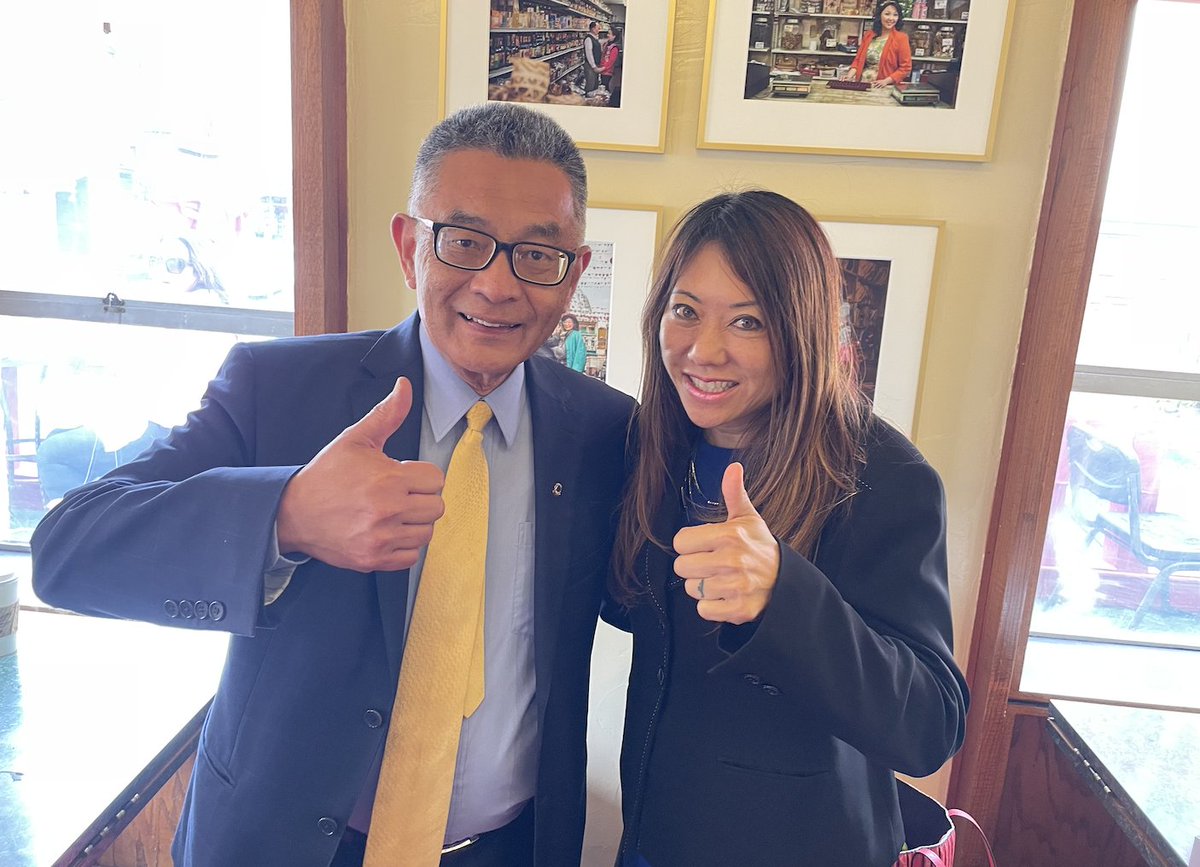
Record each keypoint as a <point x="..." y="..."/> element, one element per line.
<point x="805" y="457"/>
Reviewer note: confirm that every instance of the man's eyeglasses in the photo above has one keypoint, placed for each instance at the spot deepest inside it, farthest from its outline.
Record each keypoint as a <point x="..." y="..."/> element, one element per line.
<point x="473" y="250"/>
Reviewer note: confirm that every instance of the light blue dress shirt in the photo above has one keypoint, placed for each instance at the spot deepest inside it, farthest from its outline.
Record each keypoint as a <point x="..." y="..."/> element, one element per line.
<point x="496" y="771"/>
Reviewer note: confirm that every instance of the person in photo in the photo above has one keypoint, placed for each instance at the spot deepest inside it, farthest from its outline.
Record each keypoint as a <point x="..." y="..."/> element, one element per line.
<point x="591" y="57"/>
<point x="575" y="350"/>
<point x="884" y="57"/>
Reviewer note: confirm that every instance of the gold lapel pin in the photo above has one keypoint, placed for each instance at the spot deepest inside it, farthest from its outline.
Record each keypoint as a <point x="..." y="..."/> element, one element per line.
<point x="557" y="489"/>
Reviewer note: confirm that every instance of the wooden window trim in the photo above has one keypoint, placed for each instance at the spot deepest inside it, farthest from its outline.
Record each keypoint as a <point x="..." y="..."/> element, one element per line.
<point x="319" y="184"/>
<point x="1073" y="199"/>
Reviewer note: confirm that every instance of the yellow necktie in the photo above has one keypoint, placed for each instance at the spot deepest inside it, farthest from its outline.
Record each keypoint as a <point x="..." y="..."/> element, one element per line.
<point x="441" y="676"/>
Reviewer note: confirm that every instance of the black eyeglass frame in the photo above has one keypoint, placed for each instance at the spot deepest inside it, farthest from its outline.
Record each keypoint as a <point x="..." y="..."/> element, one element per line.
<point x="500" y="246"/>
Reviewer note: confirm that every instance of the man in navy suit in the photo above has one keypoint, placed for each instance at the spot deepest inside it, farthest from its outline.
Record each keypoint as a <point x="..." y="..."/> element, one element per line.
<point x="293" y="509"/>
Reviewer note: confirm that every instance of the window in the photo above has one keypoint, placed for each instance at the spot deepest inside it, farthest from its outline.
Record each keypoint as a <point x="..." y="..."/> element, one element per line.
<point x="1117" y="609"/>
<point x="149" y="220"/>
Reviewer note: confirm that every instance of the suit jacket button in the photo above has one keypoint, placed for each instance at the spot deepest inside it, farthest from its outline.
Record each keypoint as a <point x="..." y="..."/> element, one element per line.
<point x="327" y="826"/>
<point x="662" y="675"/>
<point x="769" y="689"/>
<point x="216" y="610"/>
<point x="752" y="679"/>
<point x="201" y="609"/>
<point x="373" y="718"/>
<point x="186" y="609"/>
<point x="171" y="607"/>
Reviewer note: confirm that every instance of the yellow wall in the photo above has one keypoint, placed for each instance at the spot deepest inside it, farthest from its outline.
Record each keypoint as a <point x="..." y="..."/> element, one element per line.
<point x="990" y="212"/>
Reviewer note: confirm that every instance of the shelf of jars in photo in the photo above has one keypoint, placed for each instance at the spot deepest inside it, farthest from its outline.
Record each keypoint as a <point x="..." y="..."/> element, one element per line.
<point x="567" y="72"/>
<point x="849" y="55"/>
<point x="505" y="70"/>
<point x="931" y="58"/>
<point x="591" y="11"/>
<point x="503" y="30"/>
<point x="796" y="16"/>
<point x="558" y="77"/>
<point x="583" y="7"/>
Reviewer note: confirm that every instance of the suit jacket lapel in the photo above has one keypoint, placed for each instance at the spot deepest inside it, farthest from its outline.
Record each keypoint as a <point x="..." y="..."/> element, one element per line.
<point x="397" y="352"/>
<point x="556" y="460"/>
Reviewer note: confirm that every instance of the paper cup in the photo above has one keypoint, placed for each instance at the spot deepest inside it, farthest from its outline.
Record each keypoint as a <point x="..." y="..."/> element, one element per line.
<point x="8" y="613"/>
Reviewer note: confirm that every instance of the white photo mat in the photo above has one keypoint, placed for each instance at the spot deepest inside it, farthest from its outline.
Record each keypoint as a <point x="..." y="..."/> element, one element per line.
<point x="730" y="121"/>
<point x="912" y="251"/>
<point x="638" y="125"/>
<point x="633" y="232"/>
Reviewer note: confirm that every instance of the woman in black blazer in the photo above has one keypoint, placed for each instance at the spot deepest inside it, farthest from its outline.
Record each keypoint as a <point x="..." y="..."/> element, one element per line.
<point x="781" y="563"/>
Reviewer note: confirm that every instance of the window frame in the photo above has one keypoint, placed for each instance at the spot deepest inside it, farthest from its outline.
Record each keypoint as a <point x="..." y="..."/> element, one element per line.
<point x="1044" y="375"/>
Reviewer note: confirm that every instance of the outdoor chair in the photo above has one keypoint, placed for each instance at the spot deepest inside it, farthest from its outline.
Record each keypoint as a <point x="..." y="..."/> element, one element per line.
<point x="1101" y="474"/>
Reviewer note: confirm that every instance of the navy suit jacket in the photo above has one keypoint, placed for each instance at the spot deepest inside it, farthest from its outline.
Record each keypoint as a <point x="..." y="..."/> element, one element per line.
<point x="180" y="537"/>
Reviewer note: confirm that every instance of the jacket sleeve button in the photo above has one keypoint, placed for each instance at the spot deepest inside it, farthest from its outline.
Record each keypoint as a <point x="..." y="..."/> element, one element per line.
<point x="201" y="609"/>
<point x="373" y="718"/>
<point x="752" y="679"/>
<point x="770" y="689"/>
<point x="186" y="610"/>
<point x="327" y="826"/>
<point x="216" y="610"/>
<point x="171" y="607"/>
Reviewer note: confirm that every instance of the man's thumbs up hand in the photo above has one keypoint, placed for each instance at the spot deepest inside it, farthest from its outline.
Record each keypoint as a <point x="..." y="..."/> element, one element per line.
<point x="354" y="507"/>
<point x="730" y="568"/>
<point x="384" y="419"/>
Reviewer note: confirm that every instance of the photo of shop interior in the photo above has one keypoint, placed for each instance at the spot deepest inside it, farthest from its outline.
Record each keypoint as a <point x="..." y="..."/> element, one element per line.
<point x="563" y="52"/>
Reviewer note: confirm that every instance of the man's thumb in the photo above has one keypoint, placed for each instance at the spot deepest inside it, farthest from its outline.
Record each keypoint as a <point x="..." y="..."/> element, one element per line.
<point x="385" y="417"/>
<point x="733" y="489"/>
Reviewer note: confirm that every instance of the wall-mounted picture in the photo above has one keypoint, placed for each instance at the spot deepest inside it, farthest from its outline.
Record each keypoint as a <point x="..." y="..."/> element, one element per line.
<point x="811" y="75"/>
<point x="566" y="58"/>
<point x="556" y="53"/>
<point x="887" y="272"/>
<point x="864" y="303"/>
<point x="599" y="335"/>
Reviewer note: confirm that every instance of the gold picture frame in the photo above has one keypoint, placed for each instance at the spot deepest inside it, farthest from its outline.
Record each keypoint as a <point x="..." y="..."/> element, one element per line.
<point x="639" y="124"/>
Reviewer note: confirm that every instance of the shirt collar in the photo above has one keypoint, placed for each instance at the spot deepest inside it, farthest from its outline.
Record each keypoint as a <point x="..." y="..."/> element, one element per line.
<point x="447" y="397"/>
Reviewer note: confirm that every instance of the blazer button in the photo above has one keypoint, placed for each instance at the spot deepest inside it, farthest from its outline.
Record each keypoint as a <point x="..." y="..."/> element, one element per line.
<point x="327" y="826"/>
<point x="373" y="718"/>
<point x="662" y="675"/>
<point x="186" y="609"/>
<point x="216" y="610"/>
<point x="201" y="609"/>
<point x="752" y="679"/>
<point x="770" y="689"/>
<point x="171" y="607"/>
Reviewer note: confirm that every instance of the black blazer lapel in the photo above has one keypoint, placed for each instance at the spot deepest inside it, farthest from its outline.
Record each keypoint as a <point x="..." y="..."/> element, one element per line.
<point x="556" y="466"/>
<point x="396" y="352"/>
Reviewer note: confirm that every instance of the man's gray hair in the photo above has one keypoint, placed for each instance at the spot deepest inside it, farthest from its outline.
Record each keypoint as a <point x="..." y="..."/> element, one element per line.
<point x="506" y="130"/>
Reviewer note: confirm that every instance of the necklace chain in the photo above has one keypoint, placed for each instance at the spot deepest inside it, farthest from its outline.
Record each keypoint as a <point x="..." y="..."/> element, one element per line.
<point x="694" y="495"/>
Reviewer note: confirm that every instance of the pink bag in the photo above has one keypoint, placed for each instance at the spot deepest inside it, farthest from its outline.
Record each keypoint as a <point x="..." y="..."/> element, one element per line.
<point x="927" y="820"/>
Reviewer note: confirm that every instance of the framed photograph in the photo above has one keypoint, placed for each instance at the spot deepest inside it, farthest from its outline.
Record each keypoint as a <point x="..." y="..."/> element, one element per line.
<point x="598" y="67"/>
<point x="887" y="272"/>
<point x="813" y="76"/>
<point x="599" y="335"/>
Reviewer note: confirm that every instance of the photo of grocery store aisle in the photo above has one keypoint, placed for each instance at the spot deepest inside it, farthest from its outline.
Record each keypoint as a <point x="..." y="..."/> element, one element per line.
<point x="564" y="52"/>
